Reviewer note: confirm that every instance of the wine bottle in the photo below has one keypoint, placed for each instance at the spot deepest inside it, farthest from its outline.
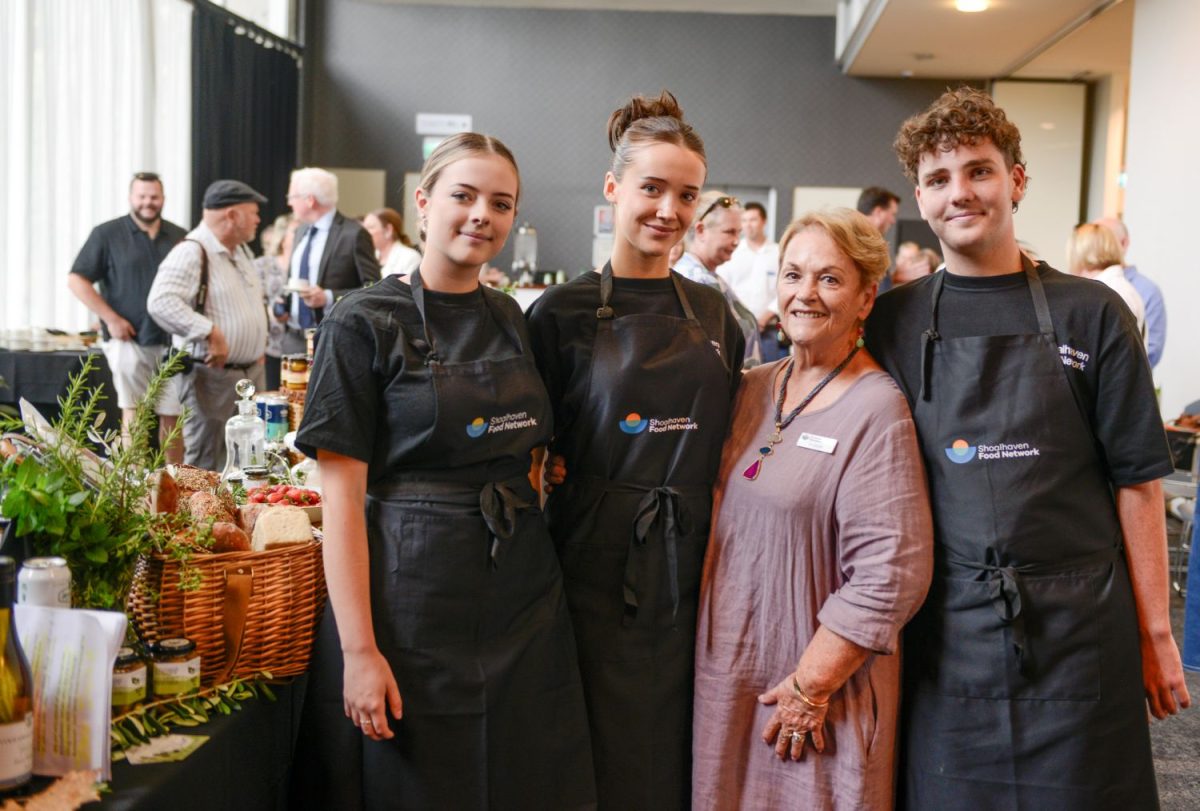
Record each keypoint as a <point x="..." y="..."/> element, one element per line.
<point x="16" y="691"/>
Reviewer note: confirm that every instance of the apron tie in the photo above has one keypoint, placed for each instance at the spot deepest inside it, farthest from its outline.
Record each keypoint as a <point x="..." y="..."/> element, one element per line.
<point x="927" y="338"/>
<point x="1007" y="596"/>
<point x="499" y="505"/>
<point x="659" y="504"/>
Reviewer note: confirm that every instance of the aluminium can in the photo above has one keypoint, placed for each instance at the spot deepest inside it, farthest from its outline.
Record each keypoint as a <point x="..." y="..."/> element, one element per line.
<point x="273" y="410"/>
<point x="45" y="582"/>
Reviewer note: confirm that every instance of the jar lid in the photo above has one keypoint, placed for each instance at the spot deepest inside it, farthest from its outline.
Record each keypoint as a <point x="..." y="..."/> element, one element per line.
<point x="127" y="656"/>
<point x="173" y="647"/>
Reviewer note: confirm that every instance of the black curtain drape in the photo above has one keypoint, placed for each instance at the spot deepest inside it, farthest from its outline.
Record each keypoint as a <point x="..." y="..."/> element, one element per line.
<point x="245" y="106"/>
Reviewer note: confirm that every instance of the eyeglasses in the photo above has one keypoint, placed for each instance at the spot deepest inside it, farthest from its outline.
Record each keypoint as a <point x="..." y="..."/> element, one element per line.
<point x="723" y="202"/>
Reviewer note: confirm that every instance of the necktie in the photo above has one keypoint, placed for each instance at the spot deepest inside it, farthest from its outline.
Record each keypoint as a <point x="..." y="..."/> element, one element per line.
<point x="307" y="319"/>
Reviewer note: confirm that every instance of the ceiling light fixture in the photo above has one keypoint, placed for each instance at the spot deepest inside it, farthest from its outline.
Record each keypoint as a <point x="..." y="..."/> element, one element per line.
<point x="971" y="6"/>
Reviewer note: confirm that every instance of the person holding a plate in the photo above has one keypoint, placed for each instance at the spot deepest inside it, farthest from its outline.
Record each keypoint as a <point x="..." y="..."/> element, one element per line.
<point x="821" y="550"/>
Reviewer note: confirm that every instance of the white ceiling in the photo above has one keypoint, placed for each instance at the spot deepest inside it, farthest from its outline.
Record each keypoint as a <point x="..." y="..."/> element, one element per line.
<point x="1027" y="39"/>
<point x="806" y="8"/>
<point x="931" y="39"/>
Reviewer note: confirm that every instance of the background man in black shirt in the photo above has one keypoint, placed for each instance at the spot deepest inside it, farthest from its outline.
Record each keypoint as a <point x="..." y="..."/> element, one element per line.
<point x="121" y="256"/>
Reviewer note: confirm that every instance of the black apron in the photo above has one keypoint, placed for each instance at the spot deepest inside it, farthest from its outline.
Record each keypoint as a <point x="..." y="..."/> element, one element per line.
<point x="468" y="608"/>
<point x="631" y="525"/>
<point x="1023" y="668"/>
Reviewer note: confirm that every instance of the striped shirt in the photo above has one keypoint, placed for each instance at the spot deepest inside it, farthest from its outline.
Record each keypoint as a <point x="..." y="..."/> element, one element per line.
<point x="235" y="299"/>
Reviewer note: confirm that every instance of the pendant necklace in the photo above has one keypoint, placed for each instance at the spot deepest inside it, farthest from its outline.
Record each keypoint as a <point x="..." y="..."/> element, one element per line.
<point x="782" y="422"/>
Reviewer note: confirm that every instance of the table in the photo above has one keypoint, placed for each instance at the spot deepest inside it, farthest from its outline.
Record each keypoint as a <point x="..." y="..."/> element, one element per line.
<point x="42" y="377"/>
<point x="1180" y="484"/>
<point x="243" y="766"/>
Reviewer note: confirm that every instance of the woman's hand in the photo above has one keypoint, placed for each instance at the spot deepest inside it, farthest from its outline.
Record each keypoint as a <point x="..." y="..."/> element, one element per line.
<point x="793" y="721"/>
<point x="369" y="691"/>
<point x="555" y="471"/>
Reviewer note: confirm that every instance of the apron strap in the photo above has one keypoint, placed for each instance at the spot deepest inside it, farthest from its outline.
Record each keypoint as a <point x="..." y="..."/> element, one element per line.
<point x="605" y="311"/>
<point x="931" y="334"/>
<point x="424" y="342"/>
<point x="1007" y="596"/>
<point x="499" y="504"/>
<point x="660" y="505"/>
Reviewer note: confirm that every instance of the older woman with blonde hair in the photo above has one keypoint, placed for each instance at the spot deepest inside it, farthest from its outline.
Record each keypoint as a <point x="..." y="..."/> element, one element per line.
<point x="1094" y="253"/>
<point x="821" y="550"/>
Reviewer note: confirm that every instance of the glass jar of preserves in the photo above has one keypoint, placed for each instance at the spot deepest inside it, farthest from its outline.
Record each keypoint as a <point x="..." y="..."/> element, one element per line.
<point x="129" y="681"/>
<point x="176" y="667"/>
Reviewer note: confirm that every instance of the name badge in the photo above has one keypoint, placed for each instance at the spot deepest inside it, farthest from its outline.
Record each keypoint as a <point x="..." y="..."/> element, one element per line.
<point x="815" y="442"/>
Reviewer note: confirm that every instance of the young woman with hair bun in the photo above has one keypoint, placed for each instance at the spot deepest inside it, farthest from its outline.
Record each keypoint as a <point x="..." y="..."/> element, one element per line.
<point x="444" y="674"/>
<point x="641" y="365"/>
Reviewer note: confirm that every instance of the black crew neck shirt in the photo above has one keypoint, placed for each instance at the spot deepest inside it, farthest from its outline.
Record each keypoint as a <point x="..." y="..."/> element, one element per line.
<point x="1097" y="338"/>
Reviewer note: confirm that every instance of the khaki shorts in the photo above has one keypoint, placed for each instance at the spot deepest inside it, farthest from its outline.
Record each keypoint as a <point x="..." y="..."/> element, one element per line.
<point x="132" y="366"/>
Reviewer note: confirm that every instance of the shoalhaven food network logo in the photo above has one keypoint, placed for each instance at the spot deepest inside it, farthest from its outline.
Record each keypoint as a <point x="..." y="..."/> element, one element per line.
<point x="635" y="423"/>
<point x="960" y="451"/>
<point x="505" y="422"/>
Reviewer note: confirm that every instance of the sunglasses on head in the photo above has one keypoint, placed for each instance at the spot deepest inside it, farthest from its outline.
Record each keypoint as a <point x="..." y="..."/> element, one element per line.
<point x="723" y="202"/>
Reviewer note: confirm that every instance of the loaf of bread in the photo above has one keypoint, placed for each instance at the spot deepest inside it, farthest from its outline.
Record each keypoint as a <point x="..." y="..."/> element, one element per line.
<point x="248" y="515"/>
<point x="202" y="506"/>
<point x="163" y="492"/>
<point x="281" y="526"/>
<point x="228" y="537"/>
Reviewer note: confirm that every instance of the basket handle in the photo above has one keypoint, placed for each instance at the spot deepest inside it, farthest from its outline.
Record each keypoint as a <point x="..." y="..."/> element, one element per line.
<point x="239" y="585"/>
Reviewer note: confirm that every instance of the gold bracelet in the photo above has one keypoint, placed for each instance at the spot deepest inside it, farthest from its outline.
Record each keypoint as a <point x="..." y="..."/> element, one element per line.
<point x="816" y="705"/>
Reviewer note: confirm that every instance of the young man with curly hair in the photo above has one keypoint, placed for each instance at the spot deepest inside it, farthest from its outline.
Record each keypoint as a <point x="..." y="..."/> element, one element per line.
<point x="1046" y="634"/>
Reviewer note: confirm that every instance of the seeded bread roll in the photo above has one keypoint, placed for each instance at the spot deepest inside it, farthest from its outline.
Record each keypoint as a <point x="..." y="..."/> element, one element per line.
<point x="205" y="506"/>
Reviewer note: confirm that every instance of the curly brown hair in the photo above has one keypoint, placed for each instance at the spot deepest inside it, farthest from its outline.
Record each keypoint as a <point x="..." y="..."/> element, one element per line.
<point x="962" y="116"/>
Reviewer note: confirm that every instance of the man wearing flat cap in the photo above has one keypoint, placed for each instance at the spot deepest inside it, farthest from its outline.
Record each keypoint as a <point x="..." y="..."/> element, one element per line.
<point x="221" y="322"/>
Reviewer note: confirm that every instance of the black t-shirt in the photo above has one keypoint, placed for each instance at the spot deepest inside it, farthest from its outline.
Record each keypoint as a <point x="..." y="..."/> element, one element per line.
<point x="1098" y="343"/>
<point x="562" y="325"/>
<point x="370" y="395"/>
<point x="123" y="259"/>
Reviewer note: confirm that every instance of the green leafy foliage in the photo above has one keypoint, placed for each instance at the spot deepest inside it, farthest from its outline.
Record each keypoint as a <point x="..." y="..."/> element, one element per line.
<point x="93" y="515"/>
<point x="159" y="717"/>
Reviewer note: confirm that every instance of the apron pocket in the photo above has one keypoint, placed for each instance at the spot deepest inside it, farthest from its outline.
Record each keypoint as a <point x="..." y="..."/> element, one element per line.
<point x="429" y="577"/>
<point x="958" y="641"/>
<point x="966" y="650"/>
<point x="1063" y="622"/>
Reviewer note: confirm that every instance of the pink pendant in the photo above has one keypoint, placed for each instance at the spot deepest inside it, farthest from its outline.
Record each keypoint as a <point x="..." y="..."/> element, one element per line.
<point x="751" y="473"/>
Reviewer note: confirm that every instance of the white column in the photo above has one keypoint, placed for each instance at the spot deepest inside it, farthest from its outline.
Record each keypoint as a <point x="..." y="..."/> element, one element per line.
<point x="1162" y="197"/>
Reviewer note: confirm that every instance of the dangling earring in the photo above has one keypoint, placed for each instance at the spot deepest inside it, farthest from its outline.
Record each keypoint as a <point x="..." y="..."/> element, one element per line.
<point x="860" y="343"/>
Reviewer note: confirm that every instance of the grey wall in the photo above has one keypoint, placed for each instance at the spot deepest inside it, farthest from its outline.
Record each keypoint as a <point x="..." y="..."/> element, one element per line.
<point x="763" y="91"/>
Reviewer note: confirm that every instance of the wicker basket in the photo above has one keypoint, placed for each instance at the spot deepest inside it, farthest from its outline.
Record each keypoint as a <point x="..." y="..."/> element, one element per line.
<point x="253" y="611"/>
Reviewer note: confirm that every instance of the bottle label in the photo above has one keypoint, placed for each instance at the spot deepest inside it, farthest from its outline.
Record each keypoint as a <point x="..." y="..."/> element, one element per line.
<point x="129" y="688"/>
<point x="16" y="752"/>
<point x="172" y="678"/>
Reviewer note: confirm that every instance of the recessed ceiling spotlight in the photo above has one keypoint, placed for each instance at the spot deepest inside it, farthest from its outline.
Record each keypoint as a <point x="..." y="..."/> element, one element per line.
<point x="907" y="74"/>
<point x="971" y="6"/>
<point x="1048" y="125"/>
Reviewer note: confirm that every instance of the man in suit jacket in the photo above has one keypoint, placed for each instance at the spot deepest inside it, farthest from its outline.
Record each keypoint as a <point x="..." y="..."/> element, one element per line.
<point x="332" y="255"/>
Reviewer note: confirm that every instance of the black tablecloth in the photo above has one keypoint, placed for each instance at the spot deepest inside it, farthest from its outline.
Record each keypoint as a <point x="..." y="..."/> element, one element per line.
<point x="42" y="377"/>
<point x="243" y="766"/>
